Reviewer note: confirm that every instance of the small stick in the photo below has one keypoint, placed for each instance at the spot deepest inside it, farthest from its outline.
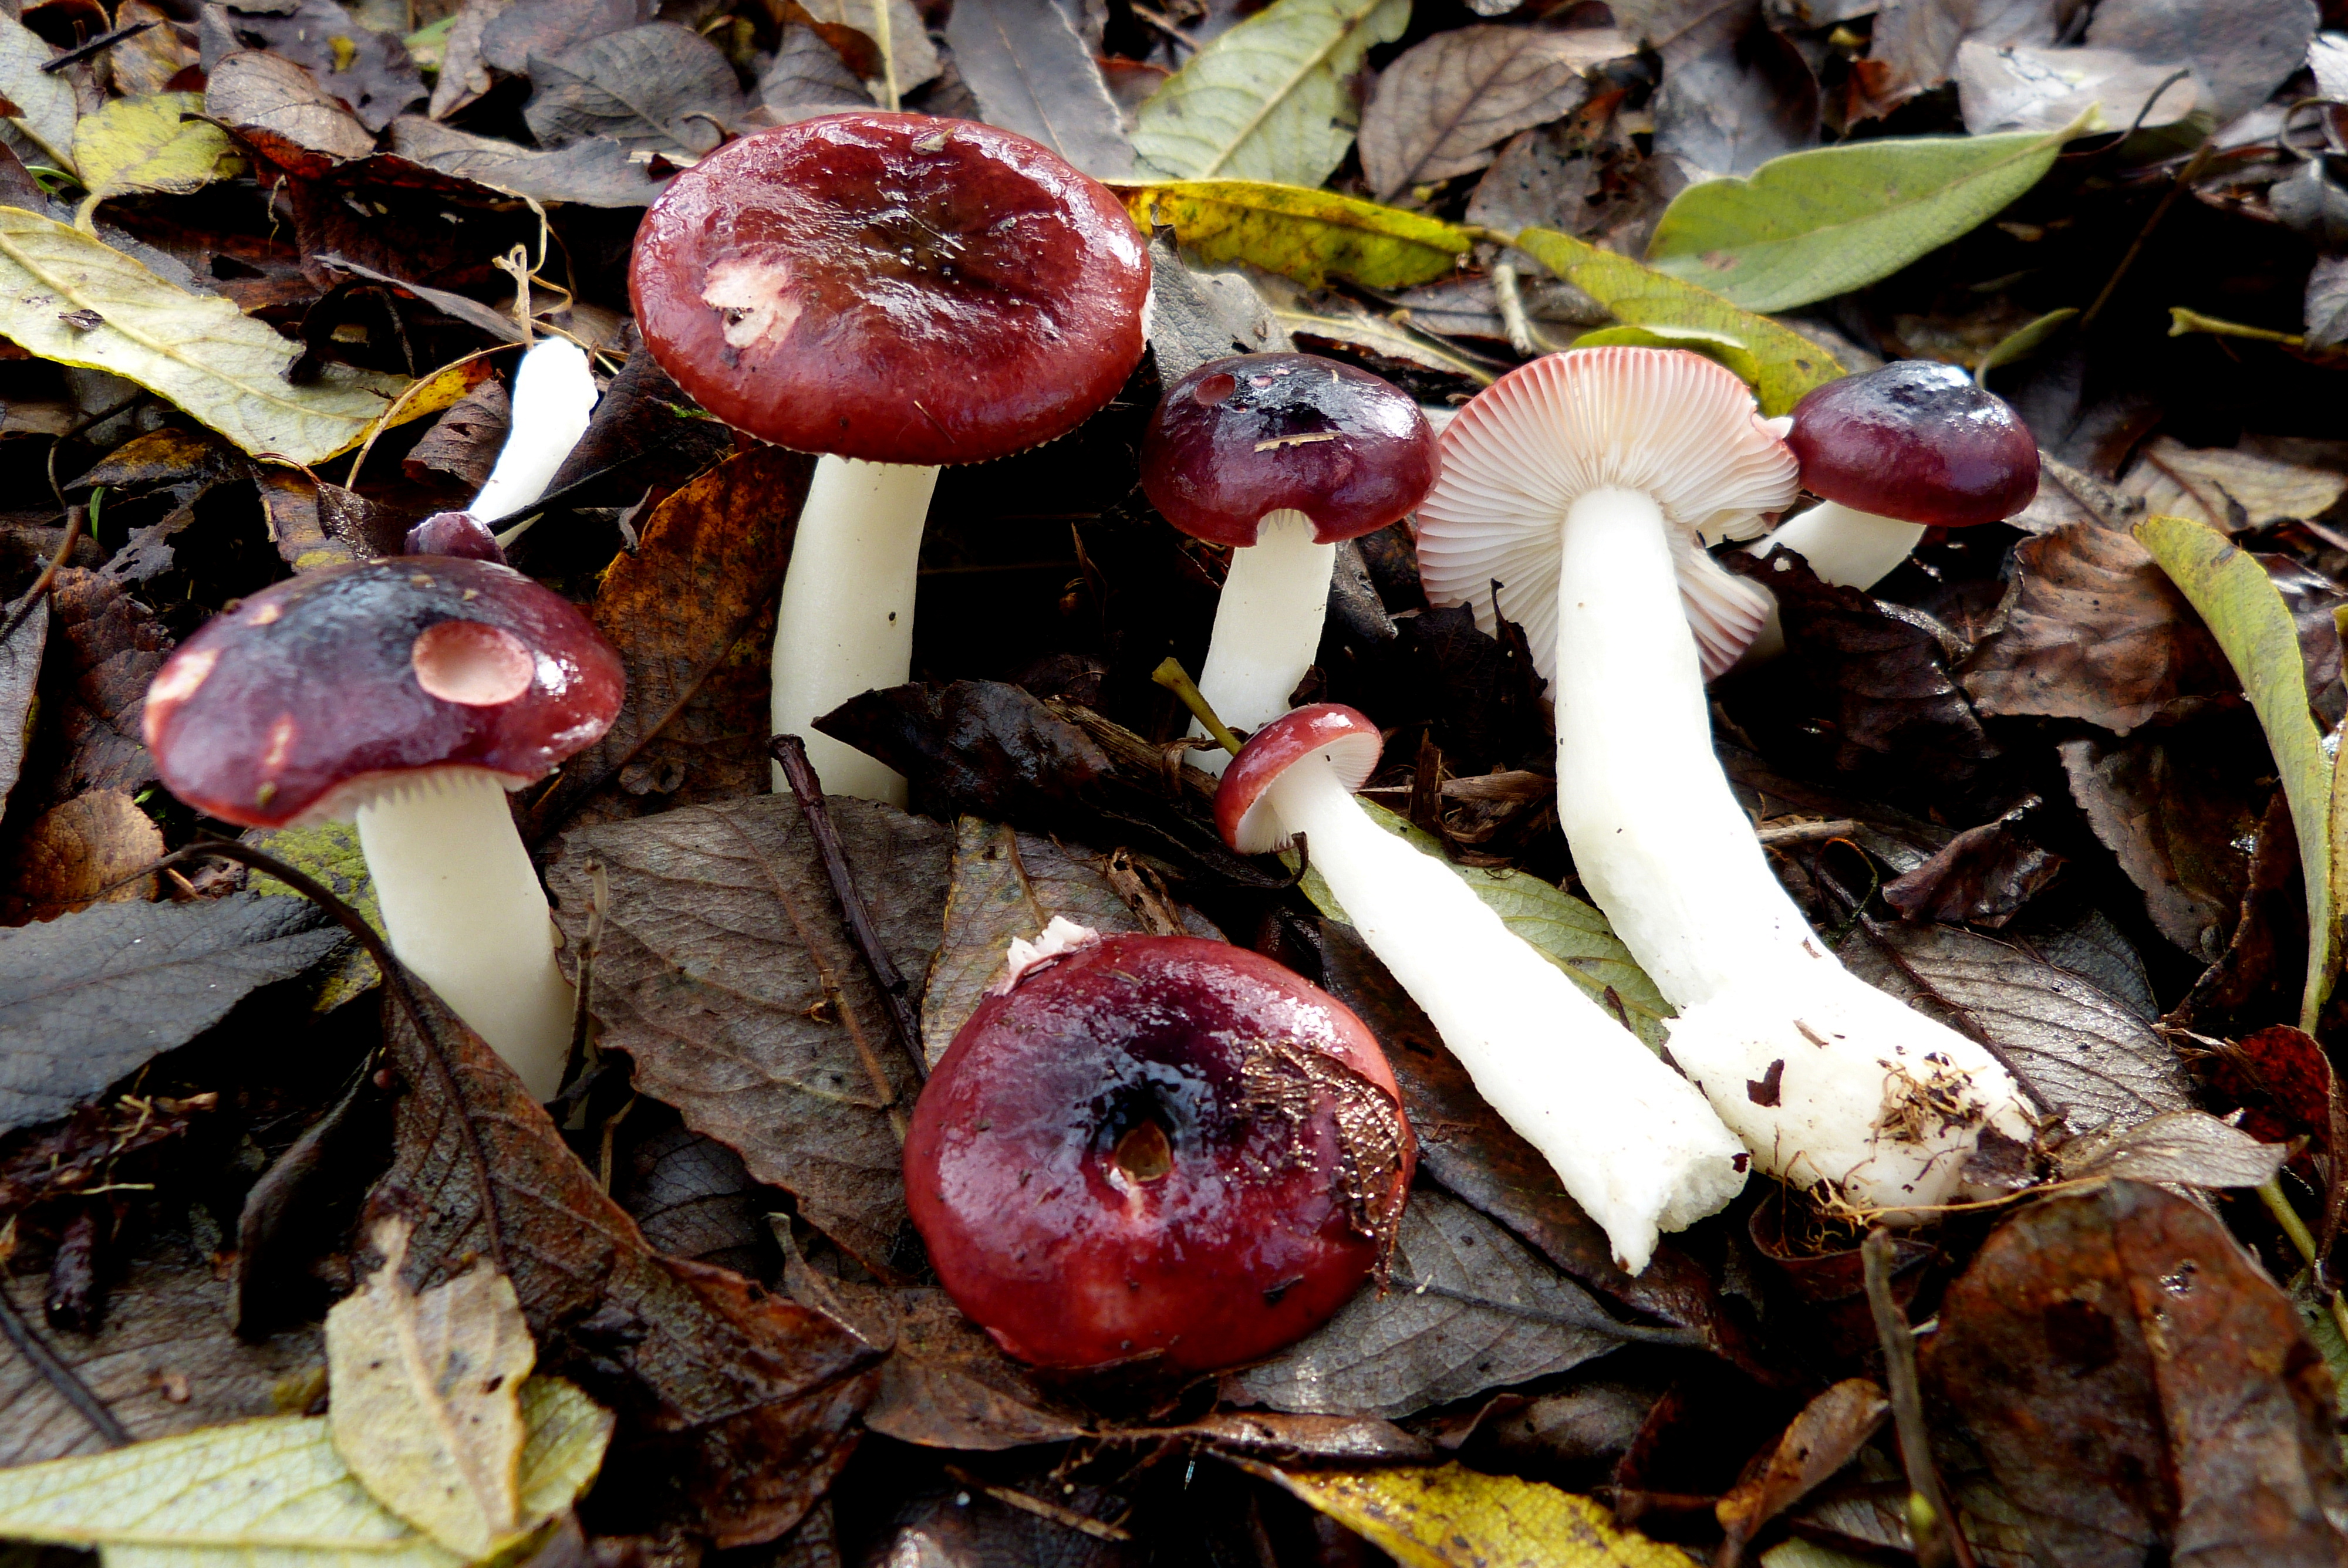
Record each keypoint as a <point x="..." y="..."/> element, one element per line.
<point x="1067" y="1518"/>
<point x="1171" y="674"/>
<point x="1808" y="832"/>
<point x="2185" y="177"/>
<point x="1931" y="1521"/>
<point x="60" y="1377"/>
<point x="97" y="46"/>
<point x="16" y="617"/>
<point x="791" y="755"/>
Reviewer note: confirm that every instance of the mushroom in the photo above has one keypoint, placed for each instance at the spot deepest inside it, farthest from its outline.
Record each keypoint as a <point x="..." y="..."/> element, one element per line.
<point x="1633" y="1142"/>
<point x="1280" y="457"/>
<point x="411" y="693"/>
<point x="553" y="397"/>
<point x="1584" y="483"/>
<point x="1916" y="444"/>
<point x="895" y="291"/>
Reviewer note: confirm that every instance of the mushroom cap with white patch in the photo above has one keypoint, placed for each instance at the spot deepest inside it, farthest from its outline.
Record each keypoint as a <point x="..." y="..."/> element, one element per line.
<point x="1671" y="423"/>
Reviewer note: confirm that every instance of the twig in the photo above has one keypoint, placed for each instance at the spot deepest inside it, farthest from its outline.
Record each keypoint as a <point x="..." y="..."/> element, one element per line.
<point x="1931" y="1521"/>
<point x="60" y="1377"/>
<point x="24" y="607"/>
<point x="97" y="46"/>
<point x="1177" y="680"/>
<point x="1807" y="832"/>
<point x="791" y="755"/>
<point x="2185" y="177"/>
<point x="1164" y="24"/>
<point x="1067" y="1517"/>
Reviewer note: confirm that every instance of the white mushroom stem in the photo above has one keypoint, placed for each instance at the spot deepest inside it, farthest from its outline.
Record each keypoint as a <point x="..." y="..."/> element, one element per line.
<point x="553" y="397"/>
<point x="1633" y="1142"/>
<point x="1826" y="1078"/>
<point x="1845" y="546"/>
<point x="462" y="907"/>
<point x="1267" y="627"/>
<point x="847" y="622"/>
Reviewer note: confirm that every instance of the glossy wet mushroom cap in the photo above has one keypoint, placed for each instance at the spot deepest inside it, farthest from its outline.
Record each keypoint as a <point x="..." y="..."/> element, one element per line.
<point x="1157" y="1146"/>
<point x="1917" y="441"/>
<point x="312" y="694"/>
<point x="454" y="534"/>
<point x="1347" y="736"/>
<point x="1258" y="433"/>
<point x="891" y="287"/>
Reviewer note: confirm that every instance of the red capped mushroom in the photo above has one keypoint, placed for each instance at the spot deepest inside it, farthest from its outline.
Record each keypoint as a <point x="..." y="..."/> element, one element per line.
<point x="1280" y="457"/>
<point x="409" y="693"/>
<point x="895" y="291"/>
<point x="1155" y="1146"/>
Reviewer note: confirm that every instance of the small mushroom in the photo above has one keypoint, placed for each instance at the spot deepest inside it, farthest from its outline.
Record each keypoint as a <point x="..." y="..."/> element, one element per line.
<point x="1585" y="483"/>
<point x="1633" y="1141"/>
<point x="895" y="291"/>
<point x="410" y="694"/>
<point x="1916" y="444"/>
<point x="1280" y="457"/>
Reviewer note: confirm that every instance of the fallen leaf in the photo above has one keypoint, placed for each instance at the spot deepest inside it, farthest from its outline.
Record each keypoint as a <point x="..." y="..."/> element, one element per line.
<point x="1831" y="1429"/>
<point x="2258" y="976"/>
<point x="20" y="671"/>
<point x="2227" y="489"/>
<point x="2180" y="823"/>
<point x="280" y="109"/>
<point x="2177" y="1149"/>
<point x="146" y="62"/>
<point x="643" y="434"/>
<point x="1453" y="1517"/>
<point x="81" y="853"/>
<point x="41" y="109"/>
<point x="1543" y="178"/>
<point x="1307" y="235"/>
<point x="947" y="1385"/>
<point x="901" y="56"/>
<point x="426" y="1407"/>
<point x="548" y="27"/>
<point x="660" y="87"/>
<point x="693" y="1198"/>
<point x="1267" y="100"/>
<point x="1287" y="1437"/>
<point x="2239" y="53"/>
<point x="275" y="1486"/>
<point x="1032" y="74"/>
<point x="1733" y="109"/>
<point x="1916" y="45"/>
<point x="727" y="979"/>
<point x="1197" y="316"/>
<point x="88" y="998"/>
<point x="368" y="70"/>
<point x="463" y="443"/>
<point x="1813" y="224"/>
<point x="149" y="146"/>
<point x="329" y="852"/>
<point x="2017" y="87"/>
<point x="1470" y="1308"/>
<point x="1791" y="364"/>
<point x="2139" y="1387"/>
<point x="1442" y="106"/>
<point x="808" y="78"/>
<point x="464" y="75"/>
<point x="1983" y="876"/>
<point x="592" y="172"/>
<point x="104" y="647"/>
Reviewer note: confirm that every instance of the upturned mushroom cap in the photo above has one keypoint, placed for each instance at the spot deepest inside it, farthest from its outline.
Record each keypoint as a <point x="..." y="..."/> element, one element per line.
<point x="1666" y="422"/>
<point x="316" y="694"/>
<point x="1918" y="440"/>
<point x="1257" y="432"/>
<point x="891" y="287"/>
<point x="1345" y="736"/>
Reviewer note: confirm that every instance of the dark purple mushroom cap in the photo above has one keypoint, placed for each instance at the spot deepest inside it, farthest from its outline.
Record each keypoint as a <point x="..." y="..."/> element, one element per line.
<point x="454" y="534"/>
<point x="1258" y="433"/>
<point x="894" y="287"/>
<point x="1918" y="440"/>
<point x="316" y="692"/>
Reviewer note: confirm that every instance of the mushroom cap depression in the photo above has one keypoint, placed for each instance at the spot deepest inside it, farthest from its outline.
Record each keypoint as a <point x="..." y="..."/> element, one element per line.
<point x="317" y="693"/>
<point x="1918" y="440"/>
<point x="1257" y="432"/>
<point x="891" y="287"/>
<point x="1346" y="736"/>
<point x="1671" y="423"/>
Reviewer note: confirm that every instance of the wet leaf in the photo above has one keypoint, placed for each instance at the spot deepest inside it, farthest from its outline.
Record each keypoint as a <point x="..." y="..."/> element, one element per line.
<point x="808" y="78"/>
<point x="20" y="670"/>
<point x="946" y="1384"/>
<point x="1268" y="99"/>
<point x="1821" y="1441"/>
<point x="1822" y="223"/>
<point x="426" y="1389"/>
<point x="1983" y="876"/>
<point x="196" y="351"/>
<point x="1307" y="235"/>
<point x="1790" y="364"/>
<point x="79" y="852"/>
<point x="1453" y="1517"/>
<point x="889" y="33"/>
<point x="146" y="62"/>
<point x="659" y="88"/>
<point x="136" y="146"/>
<point x="1441" y="108"/>
<point x="1470" y="1308"/>
<point x="2139" y="1387"/>
<point x="282" y="112"/>
<point x="693" y="1198"/>
<point x="2179" y="822"/>
<point x="368" y="70"/>
<point x="727" y="979"/>
<point x="2176" y="1148"/>
<point x="592" y="172"/>
<point x="2016" y="87"/>
<point x="2248" y="617"/>
<point x="2227" y="489"/>
<point x="1032" y="74"/>
<point x="463" y="443"/>
<point x="41" y="127"/>
<point x="88" y="998"/>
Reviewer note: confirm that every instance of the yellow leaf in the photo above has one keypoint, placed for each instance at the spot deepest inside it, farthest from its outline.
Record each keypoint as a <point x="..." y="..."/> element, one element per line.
<point x="1307" y="235"/>
<point x="427" y="1410"/>
<point x="135" y="145"/>
<point x="1450" y="1516"/>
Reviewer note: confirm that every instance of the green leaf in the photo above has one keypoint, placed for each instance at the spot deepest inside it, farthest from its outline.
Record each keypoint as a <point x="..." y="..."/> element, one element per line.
<point x="1307" y="235"/>
<point x="1810" y="224"/>
<point x="1448" y="1516"/>
<point x="1561" y="927"/>
<point x="1270" y="99"/>
<point x="1787" y="363"/>
<point x="272" y="1494"/>
<point x="1717" y="345"/>
<point x="196" y="351"/>
<point x="44" y="100"/>
<point x="142" y="145"/>
<point x="2246" y="614"/>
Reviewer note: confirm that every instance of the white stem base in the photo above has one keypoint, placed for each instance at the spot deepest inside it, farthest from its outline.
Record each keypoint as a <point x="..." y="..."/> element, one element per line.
<point x="553" y="399"/>
<point x="1267" y="628"/>
<point x="847" y="623"/>
<point x="462" y="907"/>
<point x="1847" y="548"/>
<point x="1873" y="1097"/>
<point x="1635" y="1142"/>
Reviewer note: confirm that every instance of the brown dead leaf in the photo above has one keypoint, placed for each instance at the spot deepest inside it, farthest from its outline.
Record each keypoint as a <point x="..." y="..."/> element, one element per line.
<point x="77" y="854"/>
<point x="280" y="109"/>
<point x="20" y="671"/>
<point x="1444" y="104"/>
<point x="1821" y="1441"/>
<point x="692" y="1197"/>
<point x="104" y="647"/>
<point x="464" y="75"/>
<point x="369" y="71"/>
<point x="146" y="62"/>
<point x="2178" y="820"/>
<point x="2140" y="1388"/>
<point x="1983" y="876"/>
<point x="464" y="442"/>
<point x="727" y="977"/>
<point x="2229" y="490"/>
<point x="945" y="1384"/>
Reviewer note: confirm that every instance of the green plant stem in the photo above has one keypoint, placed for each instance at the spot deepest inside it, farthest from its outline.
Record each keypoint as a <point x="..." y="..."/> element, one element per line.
<point x="2303" y="1240"/>
<point x="1177" y="680"/>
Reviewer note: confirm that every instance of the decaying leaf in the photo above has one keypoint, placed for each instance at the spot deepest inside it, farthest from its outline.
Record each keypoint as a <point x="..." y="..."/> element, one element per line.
<point x="41" y="107"/>
<point x="2179" y="823"/>
<point x="20" y="670"/>
<point x="2228" y="489"/>
<point x="82" y="852"/>
<point x="149" y="144"/>
<point x="366" y="68"/>
<point x="593" y="170"/>
<point x="659" y="87"/>
<point x="280" y="109"/>
<point x="2177" y="1149"/>
<point x="1032" y="74"/>
<point x="1307" y="235"/>
<point x="1441" y="108"/>
<point x="1820" y="1441"/>
<point x="1453" y="1517"/>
